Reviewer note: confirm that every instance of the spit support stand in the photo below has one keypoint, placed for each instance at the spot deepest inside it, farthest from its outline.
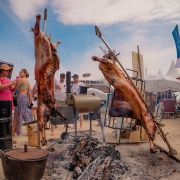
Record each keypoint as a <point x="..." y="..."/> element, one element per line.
<point x="110" y="120"/>
<point x="45" y="19"/>
<point x="38" y="132"/>
<point x="157" y="124"/>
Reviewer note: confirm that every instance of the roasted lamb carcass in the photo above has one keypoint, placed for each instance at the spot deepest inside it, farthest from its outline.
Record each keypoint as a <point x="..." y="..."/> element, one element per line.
<point x="115" y="76"/>
<point x="47" y="63"/>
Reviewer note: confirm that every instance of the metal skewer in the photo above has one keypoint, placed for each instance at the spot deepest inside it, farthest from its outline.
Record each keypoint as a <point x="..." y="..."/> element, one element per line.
<point x="98" y="33"/>
<point x="38" y="102"/>
<point x="157" y="124"/>
<point x="45" y="19"/>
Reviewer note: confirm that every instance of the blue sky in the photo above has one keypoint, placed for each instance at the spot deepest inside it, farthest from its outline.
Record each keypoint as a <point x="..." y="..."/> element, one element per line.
<point x="124" y="24"/>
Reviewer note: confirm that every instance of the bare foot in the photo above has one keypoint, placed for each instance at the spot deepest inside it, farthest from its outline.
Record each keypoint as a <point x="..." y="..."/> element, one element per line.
<point x="14" y="141"/>
<point x="80" y="129"/>
<point x="68" y="126"/>
<point x="54" y="134"/>
<point x="153" y="150"/>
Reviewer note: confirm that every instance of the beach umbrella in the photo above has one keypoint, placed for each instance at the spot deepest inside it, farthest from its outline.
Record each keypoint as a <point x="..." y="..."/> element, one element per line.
<point x="159" y="83"/>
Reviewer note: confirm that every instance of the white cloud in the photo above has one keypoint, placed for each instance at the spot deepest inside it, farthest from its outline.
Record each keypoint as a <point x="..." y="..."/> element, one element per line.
<point x="108" y="12"/>
<point x="86" y="64"/>
<point x="26" y="10"/>
<point x="132" y="18"/>
<point x="158" y="51"/>
<point x="105" y="12"/>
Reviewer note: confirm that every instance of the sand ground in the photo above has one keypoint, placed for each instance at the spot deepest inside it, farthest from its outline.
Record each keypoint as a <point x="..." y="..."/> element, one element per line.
<point x="172" y="126"/>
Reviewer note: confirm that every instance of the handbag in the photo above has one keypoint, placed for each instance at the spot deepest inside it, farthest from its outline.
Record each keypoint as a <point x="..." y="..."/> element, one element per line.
<point x="15" y="102"/>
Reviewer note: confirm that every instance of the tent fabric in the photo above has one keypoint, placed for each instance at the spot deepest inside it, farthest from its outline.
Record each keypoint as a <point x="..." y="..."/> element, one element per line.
<point x="97" y="92"/>
<point x="173" y="71"/>
<point x="159" y="83"/>
<point x="159" y="72"/>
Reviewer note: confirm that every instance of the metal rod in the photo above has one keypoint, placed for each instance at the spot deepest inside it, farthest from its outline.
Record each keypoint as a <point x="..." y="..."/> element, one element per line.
<point x="139" y="63"/>
<point x="68" y="82"/>
<point x="102" y="127"/>
<point x="122" y="122"/>
<point x="45" y="19"/>
<point x="38" y="137"/>
<point x="107" y="103"/>
<point x="90" y="131"/>
<point x="38" y="133"/>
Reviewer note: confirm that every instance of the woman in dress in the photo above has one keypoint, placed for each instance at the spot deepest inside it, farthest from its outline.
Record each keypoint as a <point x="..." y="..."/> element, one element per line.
<point x="6" y="85"/>
<point x="24" y="99"/>
<point x="35" y="100"/>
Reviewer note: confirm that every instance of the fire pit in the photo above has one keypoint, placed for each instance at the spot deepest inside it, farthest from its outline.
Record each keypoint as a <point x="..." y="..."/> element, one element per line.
<point x="24" y="164"/>
<point x="136" y="162"/>
<point x="93" y="160"/>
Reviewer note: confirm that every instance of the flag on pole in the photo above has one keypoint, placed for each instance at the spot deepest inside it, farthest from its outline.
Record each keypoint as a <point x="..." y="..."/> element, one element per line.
<point x="176" y="37"/>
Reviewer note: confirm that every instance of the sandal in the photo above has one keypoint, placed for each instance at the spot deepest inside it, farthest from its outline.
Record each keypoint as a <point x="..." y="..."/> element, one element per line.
<point x="14" y="141"/>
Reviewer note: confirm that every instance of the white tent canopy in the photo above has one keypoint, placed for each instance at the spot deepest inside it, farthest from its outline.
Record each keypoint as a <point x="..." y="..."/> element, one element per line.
<point x="159" y="82"/>
<point x="97" y="92"/>
<point x="90" y="76"/>
<point x="159" y="72"/>
<point x="173" y="71"/>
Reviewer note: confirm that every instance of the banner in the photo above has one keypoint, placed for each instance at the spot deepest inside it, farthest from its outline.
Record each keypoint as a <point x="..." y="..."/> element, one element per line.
<point x="176" y="37"/>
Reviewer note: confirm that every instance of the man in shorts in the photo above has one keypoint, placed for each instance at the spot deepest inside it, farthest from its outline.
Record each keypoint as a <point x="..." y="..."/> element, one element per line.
<point x="76" y="89"/>
<point x="60" y="95"/>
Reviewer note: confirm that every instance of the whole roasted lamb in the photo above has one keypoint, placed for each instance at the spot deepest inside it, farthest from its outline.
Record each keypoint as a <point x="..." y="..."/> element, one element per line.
<point x="115" y="76"/>
<point x="47" y="63"/>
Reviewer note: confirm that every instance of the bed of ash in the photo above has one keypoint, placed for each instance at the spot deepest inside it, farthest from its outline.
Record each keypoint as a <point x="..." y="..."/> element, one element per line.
<point x="88" y="159"/>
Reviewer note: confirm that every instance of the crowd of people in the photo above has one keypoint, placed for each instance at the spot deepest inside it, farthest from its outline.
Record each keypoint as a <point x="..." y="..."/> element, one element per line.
<point x="26" y="106"/>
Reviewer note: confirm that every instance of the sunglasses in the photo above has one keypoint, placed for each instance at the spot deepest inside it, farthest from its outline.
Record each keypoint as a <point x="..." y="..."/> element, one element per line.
<point x="6" y="70"/>
<point x="62" y="76"/>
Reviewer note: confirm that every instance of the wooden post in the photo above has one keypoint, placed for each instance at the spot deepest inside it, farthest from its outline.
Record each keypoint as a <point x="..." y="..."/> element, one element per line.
<point x="38" y="133"/>
<point x="138" y="65"/>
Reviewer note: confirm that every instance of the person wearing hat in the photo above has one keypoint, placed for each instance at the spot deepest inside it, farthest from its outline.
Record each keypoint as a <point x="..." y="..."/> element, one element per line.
<point x="56" y="87"/>
<point x="76" y="89"/>
<point x="6" y="86"/>
<point x="60" y="95"/>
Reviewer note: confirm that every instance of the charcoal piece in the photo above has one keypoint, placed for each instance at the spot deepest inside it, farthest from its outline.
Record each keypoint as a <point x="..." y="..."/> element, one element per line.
<point x="95" y="160"/>
<point x="51" y="149"/>
<point x="75" y="175"/>
<point x="117" y="154"/>
<point x="72" y="167"/>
